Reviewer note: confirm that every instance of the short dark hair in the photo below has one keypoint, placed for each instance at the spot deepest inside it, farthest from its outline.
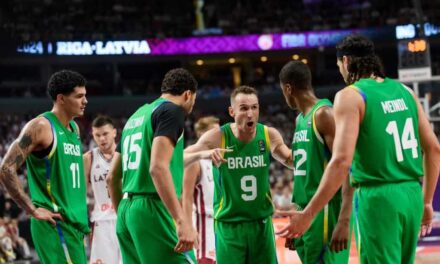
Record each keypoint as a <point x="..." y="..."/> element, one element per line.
<point x="296" y="73"/>
<point x="177" y="81"/>
<point x="362" y="60"/>
<point x="244" y="89"/>
<point x="102" y="120"/>
<point x="64" y="82"/>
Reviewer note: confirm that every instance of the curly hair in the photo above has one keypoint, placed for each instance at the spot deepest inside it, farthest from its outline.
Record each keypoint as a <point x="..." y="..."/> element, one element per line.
<point x="64" y="82"/>
<point x="362" y="61"/>
<point x="177" y="81"/>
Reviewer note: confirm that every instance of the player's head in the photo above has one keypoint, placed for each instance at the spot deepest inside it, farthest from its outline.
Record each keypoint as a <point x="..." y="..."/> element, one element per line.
<point x="295" y="79"/>
<point x="206" y="123"/>
<point x="104" y="132"/>
<point x="356" y="59"/>
<point x="180" y="82"/>
<point x="245" y="108"/>
<point x="68" y="90"/>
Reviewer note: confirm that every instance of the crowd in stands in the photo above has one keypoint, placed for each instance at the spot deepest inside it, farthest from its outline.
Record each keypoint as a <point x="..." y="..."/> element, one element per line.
<point x="134" y="19"/>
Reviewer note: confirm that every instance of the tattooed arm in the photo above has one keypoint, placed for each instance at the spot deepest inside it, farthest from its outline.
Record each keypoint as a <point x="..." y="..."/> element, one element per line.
<point x="36" y="135"/>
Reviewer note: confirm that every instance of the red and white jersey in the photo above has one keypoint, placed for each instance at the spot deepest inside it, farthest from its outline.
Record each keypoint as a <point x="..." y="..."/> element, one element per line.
<point x="203" y="211"/>
<point x="103" y="208"/>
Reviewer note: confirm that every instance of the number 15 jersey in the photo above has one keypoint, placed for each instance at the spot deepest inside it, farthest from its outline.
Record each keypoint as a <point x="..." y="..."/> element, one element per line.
<point x="241" y="185"/>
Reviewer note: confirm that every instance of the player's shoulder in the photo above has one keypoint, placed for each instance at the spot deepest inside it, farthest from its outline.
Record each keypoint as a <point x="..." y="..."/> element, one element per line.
<point x="38" y="125"/>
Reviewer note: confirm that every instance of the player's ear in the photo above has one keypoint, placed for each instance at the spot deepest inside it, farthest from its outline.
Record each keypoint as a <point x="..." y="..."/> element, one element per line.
<point x="60" y="98"/>
<point x="231" y="111"/>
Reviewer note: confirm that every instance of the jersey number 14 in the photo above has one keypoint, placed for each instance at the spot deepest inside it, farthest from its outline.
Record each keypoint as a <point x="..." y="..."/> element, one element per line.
<point x="407" y="141"/>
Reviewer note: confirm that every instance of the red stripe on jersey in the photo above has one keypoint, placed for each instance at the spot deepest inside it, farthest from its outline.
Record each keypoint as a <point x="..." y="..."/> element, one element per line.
<point x="203" y="218"/>
<point x="196" y="201"/>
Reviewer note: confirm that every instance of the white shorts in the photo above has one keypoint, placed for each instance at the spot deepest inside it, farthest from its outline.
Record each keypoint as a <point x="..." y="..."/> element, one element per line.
<point x="105" y="246"/>
<point x="205" y="228"/>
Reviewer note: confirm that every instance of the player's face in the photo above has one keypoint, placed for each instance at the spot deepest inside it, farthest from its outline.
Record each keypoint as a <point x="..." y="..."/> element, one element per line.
<point x="342" y="65"/>
<point x="104" y="136"/>
<point x="75" y="102"/>
<point x="190" y="100"/>
<point x="287" y="92"/>
<point x="245" y="110"/>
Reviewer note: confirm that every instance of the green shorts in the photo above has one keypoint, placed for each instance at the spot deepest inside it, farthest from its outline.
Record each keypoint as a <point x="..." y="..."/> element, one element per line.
<point x="58" y="244"/>
<point x="245" y="242"/>
<point x="147" y="232"/>
<point x="387" y="221"/>
<point x="313" y="246"/>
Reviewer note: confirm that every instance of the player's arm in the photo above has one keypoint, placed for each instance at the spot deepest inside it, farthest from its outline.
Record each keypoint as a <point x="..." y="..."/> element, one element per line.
<point x="191" y="176"/>
<point x="279" y="150"/>
<point x="347" y="111"/>
<point x="431" y="164"/>
<point x="36" y="135"/>
<point x="207" y="147"/>
<point x="87" y="159"/>
<point x="114" y="180"/>
<point x="168" y="125"/>
<point x="325" y="124"/>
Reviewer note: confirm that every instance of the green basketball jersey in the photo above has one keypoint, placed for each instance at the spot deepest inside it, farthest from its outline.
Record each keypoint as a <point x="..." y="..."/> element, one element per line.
<point x="311" y="156"/>
<point x="57" y="182"/>
<point x="388" y="146"/>
<point x="137" y="140"/>
<point x="241" y="185"/>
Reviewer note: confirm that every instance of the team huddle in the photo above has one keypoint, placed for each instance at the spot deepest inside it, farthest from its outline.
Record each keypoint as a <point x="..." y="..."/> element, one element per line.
<point x="356" y="165"/>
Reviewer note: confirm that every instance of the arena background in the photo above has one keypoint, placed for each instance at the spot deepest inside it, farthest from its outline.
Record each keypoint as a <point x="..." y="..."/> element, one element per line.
<point x="124" y="48"/>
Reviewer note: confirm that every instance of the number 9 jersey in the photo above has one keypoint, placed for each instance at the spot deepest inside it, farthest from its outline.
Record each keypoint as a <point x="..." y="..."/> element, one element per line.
<point x="241" y="185"/>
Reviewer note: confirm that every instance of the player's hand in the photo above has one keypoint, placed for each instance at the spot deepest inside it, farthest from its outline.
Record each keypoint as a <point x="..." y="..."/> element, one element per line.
<point x="426" y="227"/>
<point x="187" y="237"/>
<point x="216" y="155"/>
<point x="299" y="223"/>
<point x="339" y="240"/>
<point x="46" y="215"/>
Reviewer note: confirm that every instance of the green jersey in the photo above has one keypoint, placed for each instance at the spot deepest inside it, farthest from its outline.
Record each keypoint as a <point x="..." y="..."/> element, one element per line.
<point x="57" y="181"/>
<point x="311" y="156"/>
<point x="241" y="185"/>
<point x="137" y="140"/>
<point x="388" y="145"/>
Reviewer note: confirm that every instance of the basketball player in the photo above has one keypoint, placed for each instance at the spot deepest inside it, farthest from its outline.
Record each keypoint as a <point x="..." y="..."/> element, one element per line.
<point x="198" y="191"/>
<point x="381" y="131"/>
<point x="52" y="149"/>
<point x="104" y="244"/>
<point x="151" y="226"/>
<point x="242" y="202"/>
<point x="312" y="145"/>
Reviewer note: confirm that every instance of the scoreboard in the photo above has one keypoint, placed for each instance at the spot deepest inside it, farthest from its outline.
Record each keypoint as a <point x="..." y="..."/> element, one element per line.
<point x="414" y="59"/>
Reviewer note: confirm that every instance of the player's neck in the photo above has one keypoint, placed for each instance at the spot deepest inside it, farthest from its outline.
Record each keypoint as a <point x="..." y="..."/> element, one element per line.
<point x="108" y="153"/>
<point x="62" y="116"/>
<point x="173" y="98"/>
<point x="305" y="102"/>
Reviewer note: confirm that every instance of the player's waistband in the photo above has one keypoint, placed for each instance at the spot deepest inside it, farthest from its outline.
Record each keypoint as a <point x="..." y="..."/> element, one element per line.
<point x="129" y="195"/>
<point x="379" y="183"/>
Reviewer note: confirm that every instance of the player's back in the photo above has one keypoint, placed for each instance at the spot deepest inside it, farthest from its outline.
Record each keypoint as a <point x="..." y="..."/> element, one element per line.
<point x="136" y="144"/>
<point x="242" y="183"/>
<point x="103" y="208"/>
<point x="57" y="181"/>
<point x="388" y="145"/>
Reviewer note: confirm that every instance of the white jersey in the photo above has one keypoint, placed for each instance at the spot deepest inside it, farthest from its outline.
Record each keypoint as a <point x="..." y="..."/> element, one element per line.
<point x="103" y="208"/>
<point x="203" y="211"/>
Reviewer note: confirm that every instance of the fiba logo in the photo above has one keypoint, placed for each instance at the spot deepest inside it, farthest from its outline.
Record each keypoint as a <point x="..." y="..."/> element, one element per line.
<point x="265" y="42"/>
